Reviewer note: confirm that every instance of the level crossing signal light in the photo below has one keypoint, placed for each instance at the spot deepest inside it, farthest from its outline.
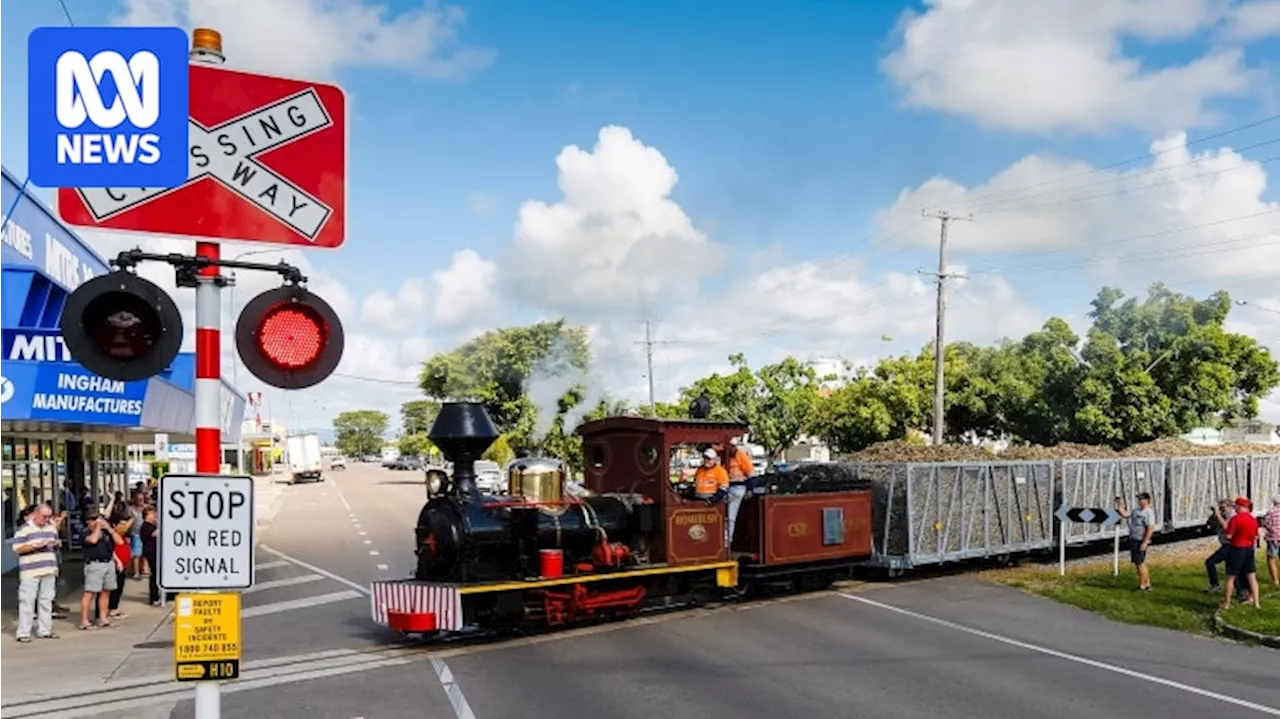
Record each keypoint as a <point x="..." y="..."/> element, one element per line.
<point x="289" y="338"/>
<point x="121" y="327"/>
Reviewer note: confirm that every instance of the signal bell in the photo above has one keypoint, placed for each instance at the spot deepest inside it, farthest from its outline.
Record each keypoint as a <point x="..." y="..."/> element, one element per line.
<point x="122" y="327"/>
<point x="289" y="338"/>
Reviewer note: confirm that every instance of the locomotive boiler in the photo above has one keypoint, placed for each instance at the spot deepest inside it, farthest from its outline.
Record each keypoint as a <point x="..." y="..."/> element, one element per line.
<point x="537" y="529"/>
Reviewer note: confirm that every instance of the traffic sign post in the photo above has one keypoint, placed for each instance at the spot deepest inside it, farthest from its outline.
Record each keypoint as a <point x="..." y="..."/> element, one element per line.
<point x="1067" y="514"/>
<point x="206" y="637"/>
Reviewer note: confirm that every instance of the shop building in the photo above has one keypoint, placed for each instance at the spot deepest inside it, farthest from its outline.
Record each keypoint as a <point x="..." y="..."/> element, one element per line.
<point x="64" y="430"/>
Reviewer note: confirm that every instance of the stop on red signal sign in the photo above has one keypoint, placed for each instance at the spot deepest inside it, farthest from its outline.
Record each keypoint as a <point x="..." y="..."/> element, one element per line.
<point x="289" y="338"/>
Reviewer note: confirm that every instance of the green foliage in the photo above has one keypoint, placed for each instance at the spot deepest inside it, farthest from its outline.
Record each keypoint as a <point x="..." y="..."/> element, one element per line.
<point x="500" y="451"/>
<point x="1146" y="369"/>
<point x="359" y="432"/>
<point x="777" y="402"/>
<point x="495" y="369"/>
<point x="415" y="445"/>
<point x="417" y="415"/>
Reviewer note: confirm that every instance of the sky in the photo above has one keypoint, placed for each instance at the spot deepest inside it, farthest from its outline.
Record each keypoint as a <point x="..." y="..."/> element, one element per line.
<point x="748" y="177"/>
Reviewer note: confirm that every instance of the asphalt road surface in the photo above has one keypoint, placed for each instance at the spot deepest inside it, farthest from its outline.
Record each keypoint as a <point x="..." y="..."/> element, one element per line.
<point x="951" y="647"/>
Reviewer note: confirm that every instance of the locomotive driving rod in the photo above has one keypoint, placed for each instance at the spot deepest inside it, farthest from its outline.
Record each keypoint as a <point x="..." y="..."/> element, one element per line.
<point x="188" y="265"/>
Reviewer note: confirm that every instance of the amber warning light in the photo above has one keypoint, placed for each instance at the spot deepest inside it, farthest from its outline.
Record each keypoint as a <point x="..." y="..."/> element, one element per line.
<point x="289" y="338"/>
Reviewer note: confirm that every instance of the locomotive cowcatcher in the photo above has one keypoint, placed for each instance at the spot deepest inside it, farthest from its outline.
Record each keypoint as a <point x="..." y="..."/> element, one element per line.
<point x="634" y="539"/>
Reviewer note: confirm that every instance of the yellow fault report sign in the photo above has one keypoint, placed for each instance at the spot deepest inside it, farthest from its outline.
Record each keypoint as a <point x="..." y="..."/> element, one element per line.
<point x="206" y="637"/>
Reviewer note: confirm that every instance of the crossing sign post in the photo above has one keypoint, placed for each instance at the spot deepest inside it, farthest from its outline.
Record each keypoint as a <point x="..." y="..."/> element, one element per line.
<point x="267" y="163"/>
<point x="1105" y="516"/>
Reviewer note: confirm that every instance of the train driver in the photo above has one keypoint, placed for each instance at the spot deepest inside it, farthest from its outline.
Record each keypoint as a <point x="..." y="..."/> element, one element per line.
<point x="711" y="481"/>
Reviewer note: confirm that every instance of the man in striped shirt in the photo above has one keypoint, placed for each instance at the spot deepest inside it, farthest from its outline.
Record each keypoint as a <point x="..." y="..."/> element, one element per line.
<point x="36" y="544"/>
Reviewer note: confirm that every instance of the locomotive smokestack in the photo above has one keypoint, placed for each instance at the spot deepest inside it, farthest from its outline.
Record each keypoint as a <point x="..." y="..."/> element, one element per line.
<point x="463" y="431"/>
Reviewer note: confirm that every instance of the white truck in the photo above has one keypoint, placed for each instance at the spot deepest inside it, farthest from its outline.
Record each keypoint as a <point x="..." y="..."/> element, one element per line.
<point x="304" y="458"/>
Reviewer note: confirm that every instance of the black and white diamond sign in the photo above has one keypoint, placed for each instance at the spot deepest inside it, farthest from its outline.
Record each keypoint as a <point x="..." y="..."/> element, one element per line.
<point x="1088" y="515"/>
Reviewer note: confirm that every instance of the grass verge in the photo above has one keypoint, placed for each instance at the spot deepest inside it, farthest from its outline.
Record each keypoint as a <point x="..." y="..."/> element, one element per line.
<point x="1177" y="599"/>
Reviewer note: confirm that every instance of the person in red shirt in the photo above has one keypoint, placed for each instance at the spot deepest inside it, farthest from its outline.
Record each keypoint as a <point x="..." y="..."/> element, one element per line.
<point x="1242" y="533"/>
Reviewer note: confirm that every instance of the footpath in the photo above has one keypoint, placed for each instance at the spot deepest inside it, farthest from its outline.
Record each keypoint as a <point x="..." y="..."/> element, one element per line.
<point x="139" y="647"/>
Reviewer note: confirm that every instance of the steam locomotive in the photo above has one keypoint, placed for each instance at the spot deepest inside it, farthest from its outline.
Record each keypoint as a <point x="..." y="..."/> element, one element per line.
<point x="635" y="539"/>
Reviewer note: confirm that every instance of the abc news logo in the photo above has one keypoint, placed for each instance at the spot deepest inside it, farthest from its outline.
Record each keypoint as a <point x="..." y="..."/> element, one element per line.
<point x="79" y="100"/>
<point x="108" y="107"/>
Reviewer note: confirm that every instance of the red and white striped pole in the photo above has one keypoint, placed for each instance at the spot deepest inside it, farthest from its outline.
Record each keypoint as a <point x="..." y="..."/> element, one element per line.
<point x="206" y="46"/>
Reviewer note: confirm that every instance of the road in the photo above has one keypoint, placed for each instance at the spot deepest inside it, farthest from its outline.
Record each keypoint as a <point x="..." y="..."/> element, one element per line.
<point x="952" y="647"/>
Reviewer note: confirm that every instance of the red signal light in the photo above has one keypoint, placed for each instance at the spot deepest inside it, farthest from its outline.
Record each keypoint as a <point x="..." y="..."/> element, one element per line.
<point x="289" y="338"/>
<point x="292" y="337"/>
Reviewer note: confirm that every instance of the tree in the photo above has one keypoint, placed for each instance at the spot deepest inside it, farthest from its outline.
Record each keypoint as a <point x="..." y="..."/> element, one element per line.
<point x="777" y="402"/>
<point x="417" y="415"/>
<point x="360" y="432"/>
<point x="1164" y="366"/>
<point x="415" y="445"/>
<point x="515" y="373"/>
<point x="1149" y="369"/>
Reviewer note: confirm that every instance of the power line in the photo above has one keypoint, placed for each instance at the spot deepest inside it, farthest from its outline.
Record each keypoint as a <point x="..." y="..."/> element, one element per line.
<point x="67" y="12"/>
<point x="377" y="380"/>
<point x="939" y="343"/>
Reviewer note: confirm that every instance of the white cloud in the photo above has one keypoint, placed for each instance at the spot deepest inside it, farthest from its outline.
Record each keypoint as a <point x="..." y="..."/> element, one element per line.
<point x="615" y="241"/>
<point x="406" y="309"/>
<point x="1186" y="216"/>
<point x="313" y="38"/>
<point x="617" y="248"/>
<point x="465" y="290"/>
<point x="1049" y="65"/>
<point x="1254" y="20"/>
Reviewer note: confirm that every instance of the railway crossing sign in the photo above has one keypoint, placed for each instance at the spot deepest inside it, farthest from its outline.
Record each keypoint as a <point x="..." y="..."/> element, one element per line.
<point x="1087" y="515"/>
<point x="206" y="532"/>
<point x="267" y="163"/>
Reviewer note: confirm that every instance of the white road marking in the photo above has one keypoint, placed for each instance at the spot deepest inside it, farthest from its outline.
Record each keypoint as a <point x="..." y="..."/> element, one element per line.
<point x="317" y="570"/>
<point x="116" y="697"/>
<point x="343" y="497"/>
<point x="1273" y="711"/>
<point x="368" y="541"/>
<point x="373" y="552"/>
<point x="312" y="504"/>
<point x="461" y="708"/>
<point x="382" y="567"/>
<point x="290" y="605"/>
<point x="271" y="565"/>
<point x="286" y="582"/>
<point x="362" y="533"/>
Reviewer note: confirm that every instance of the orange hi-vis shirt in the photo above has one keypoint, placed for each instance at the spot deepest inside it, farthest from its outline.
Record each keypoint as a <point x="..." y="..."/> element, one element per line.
<point x="708" y="480"/>
<point x="740" y="467"/>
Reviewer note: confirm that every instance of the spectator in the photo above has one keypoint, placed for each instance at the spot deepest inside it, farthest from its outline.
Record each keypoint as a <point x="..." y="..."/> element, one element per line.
<point x="1271" y="525"/>
<point x="1142" y="525"/>
<point x="36" y="543"/>
<point x="137" y="510"/>
<point x="99" y="568"/>
<point x="1242" y="530"/>
<point x="149" y="549"/>
<point x="122" y="522"/>
<point x="1218" y="520"/>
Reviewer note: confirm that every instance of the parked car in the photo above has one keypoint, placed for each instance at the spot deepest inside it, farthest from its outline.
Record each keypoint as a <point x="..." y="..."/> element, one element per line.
<point x="403" y="463"/>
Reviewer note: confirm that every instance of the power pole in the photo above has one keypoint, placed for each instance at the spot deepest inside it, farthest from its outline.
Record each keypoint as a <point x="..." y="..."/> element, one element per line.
<point x="648" y="343"/>
<point x="939" y="341"/>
